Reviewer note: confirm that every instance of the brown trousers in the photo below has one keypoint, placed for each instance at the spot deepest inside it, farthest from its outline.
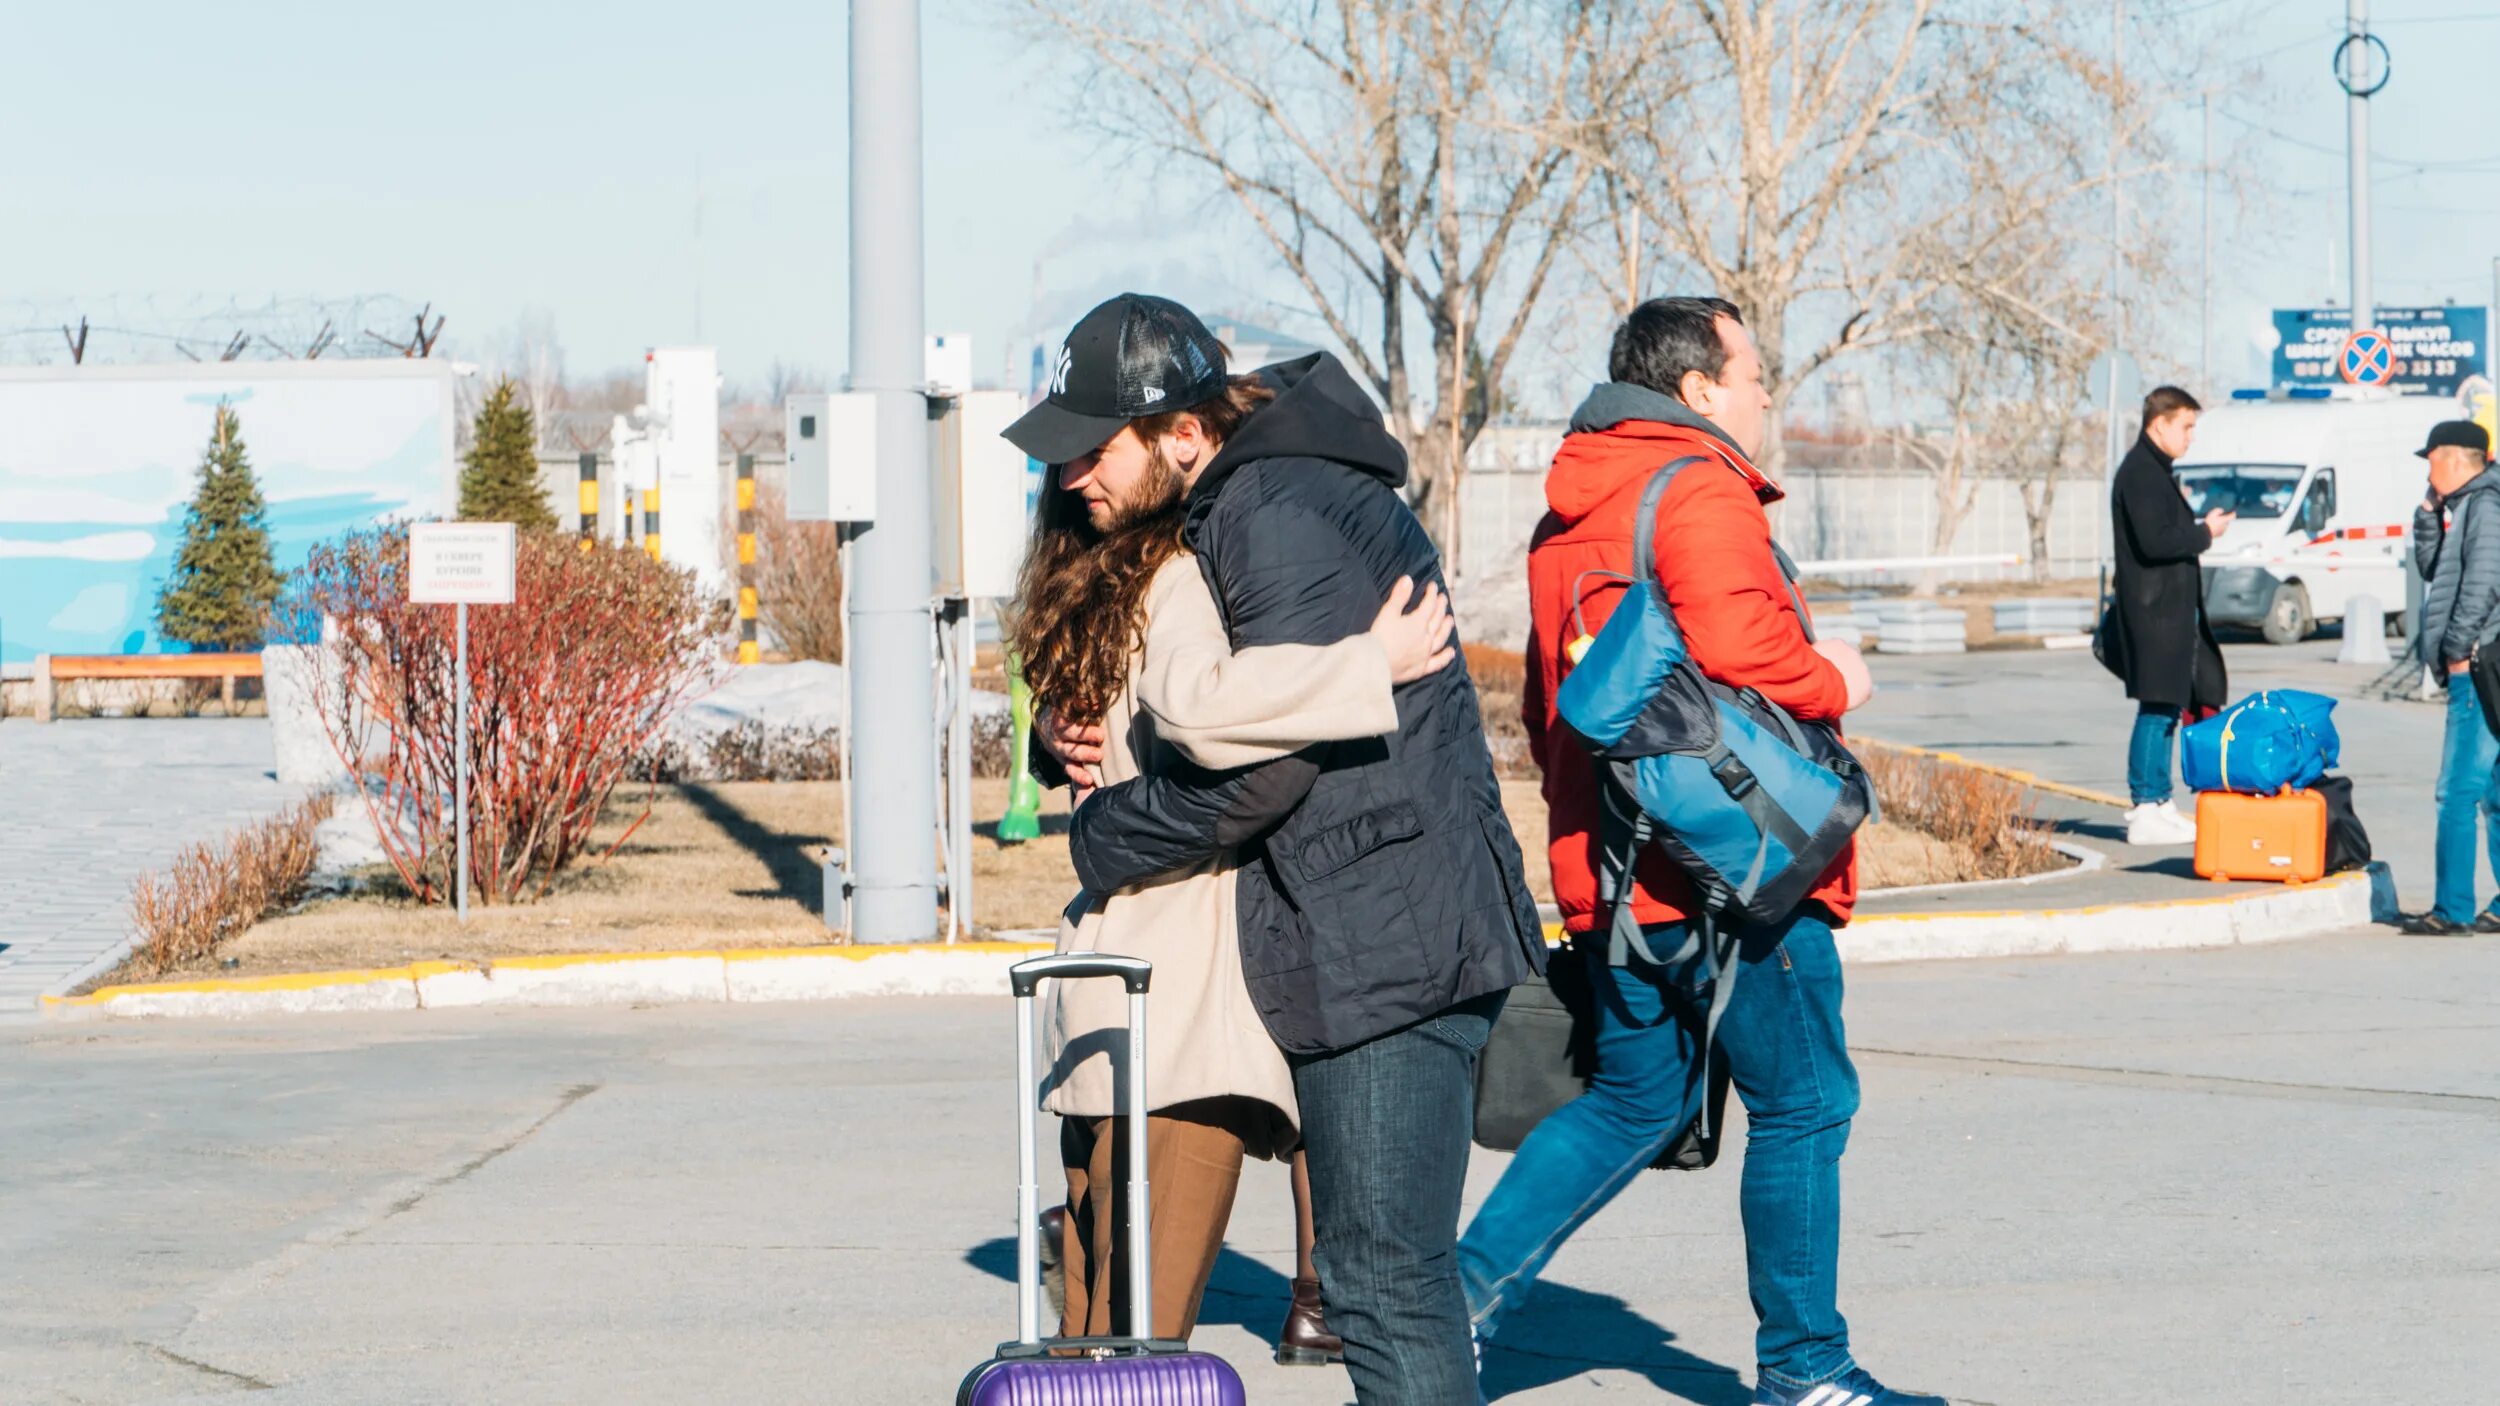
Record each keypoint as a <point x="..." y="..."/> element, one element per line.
<point x="1193" y="1162"/>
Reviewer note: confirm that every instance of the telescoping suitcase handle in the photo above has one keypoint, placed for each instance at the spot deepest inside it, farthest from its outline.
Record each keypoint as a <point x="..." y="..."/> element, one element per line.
<point x="1022" y="979"/>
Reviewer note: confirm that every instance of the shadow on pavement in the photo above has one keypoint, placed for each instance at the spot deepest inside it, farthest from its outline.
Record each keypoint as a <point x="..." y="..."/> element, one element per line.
<point x="1051" y="825"/>
<point x="1560" y="1333"/>
<point x="795" y="876"/>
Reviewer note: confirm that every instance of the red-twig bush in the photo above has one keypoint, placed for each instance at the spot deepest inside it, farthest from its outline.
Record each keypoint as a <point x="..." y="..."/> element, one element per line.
<point x="566" y="686"/>
<point x="212" y="891"/>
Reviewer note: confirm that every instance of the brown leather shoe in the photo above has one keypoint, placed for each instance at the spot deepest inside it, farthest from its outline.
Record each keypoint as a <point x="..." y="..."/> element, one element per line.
<point x="1305" y="1341"/>
<point x="1054" y="1276"/>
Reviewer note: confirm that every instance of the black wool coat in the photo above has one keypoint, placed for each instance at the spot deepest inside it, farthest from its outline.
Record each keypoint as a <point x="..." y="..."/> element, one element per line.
<point x="2161" y="644"/>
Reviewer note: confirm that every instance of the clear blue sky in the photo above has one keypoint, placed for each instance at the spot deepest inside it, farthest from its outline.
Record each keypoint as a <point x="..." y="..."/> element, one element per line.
<point x="524" y="156"/>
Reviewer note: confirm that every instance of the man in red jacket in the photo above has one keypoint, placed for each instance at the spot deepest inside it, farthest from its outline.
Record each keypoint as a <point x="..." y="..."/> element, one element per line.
<point x="1686" y="381"/>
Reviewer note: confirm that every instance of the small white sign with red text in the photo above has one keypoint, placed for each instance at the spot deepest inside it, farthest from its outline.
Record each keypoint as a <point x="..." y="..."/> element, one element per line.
<point x="460" y="563"/>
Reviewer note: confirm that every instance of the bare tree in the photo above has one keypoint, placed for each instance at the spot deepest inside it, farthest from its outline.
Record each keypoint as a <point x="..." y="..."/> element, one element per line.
<point x="1842" y="168"/>
<point x="536" y="361"/>
<point x="1410" y="163"/>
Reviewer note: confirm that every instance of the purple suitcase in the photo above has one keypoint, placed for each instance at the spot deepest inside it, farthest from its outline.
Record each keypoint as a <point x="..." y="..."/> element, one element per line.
<point x="1137" y="1370"/>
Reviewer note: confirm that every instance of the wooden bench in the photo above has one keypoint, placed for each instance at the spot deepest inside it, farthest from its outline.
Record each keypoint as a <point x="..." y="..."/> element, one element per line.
<point x="225" y="668"/>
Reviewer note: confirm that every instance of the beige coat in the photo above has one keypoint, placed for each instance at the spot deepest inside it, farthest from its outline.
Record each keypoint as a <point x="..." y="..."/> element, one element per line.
<point x="1190" y="696"/>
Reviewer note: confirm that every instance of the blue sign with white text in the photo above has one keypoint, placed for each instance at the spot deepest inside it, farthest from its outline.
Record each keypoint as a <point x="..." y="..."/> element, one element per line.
<point x="2435" y="349"/>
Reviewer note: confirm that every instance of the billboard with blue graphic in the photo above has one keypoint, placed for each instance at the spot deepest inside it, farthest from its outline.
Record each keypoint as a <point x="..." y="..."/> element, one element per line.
<point x="98" y="464"/>
<point x="2436" y="349"/>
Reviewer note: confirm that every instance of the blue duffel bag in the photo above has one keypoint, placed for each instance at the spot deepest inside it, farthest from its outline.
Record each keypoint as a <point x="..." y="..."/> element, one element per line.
<point x="2262" y="744"/>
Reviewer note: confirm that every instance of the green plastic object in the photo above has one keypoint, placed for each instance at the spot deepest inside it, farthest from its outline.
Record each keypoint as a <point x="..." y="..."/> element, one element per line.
<point x="1023" y="820"/>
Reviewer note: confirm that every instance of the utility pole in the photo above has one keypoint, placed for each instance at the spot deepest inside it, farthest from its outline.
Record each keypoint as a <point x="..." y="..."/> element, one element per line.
<point x="891" y="644"/>
<point x="2205" y="277"/>
<point x="2115" y="445"/>
<point x="2360" y="70"/>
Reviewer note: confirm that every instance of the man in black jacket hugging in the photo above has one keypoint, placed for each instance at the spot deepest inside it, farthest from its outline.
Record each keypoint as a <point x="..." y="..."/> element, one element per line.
<point x="1382" y="907"/>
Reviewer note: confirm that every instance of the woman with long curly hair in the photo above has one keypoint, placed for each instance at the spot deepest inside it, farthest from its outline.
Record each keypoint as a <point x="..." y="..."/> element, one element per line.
<point x="1114" y="622"/>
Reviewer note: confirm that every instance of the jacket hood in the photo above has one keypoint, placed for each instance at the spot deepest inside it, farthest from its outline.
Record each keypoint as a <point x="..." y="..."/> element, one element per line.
<point x="1622" y="433"/>
<point x="2488" y="481"/>
<point x="1318" y="413"/>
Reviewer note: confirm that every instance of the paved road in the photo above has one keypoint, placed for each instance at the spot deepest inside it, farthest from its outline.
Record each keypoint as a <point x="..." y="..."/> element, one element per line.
<point x="2255" y="1175"/>
<point x="2058" y="714"/>
<point x="86" y="807"/>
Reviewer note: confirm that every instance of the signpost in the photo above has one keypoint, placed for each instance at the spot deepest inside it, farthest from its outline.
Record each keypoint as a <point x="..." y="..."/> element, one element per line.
<point x="460" y="564"/>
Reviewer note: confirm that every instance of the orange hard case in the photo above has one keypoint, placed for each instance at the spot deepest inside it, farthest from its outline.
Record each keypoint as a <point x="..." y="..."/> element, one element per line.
<point x="2280" y="837"/>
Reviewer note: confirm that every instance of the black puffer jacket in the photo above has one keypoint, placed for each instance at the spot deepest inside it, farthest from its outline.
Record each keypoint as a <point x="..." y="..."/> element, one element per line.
<point x="1381" y="882"/>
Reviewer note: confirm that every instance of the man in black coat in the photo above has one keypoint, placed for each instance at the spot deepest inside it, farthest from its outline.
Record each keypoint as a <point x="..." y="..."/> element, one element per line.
<point x="1383" y="909"/>
<point x="2159" y="641"/>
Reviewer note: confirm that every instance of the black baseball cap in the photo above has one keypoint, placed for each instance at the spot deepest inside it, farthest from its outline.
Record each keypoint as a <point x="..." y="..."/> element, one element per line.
<point x="2457" y="434"/>
<point x="1135" y="355"/>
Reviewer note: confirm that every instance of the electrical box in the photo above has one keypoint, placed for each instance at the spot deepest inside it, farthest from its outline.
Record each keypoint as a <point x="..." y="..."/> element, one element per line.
<point x="682" y="392"/>
<point x="947" y="361"/>
<point x="982" y="509"/>
<point x="832" y="441"/>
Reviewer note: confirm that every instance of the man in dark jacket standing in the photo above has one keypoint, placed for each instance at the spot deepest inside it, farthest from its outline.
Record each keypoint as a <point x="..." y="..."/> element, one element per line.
<point x="2161" y="645"/>
<point x="1383" y="911"/>
<point x="2456" y="543"/>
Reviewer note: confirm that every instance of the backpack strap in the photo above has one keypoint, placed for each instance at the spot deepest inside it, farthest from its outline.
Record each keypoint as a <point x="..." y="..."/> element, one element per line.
<point x="1645" y="550"/>
<point x="1788" y="575"/>
<point x="1645" y="518"/>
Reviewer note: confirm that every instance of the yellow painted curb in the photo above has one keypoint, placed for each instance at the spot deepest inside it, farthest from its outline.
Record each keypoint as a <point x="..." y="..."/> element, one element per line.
<point x="284" y="981"/>
<point x="545" y="961"/>
<point x="2013" y="774"/>
<point x="865" y="951"/>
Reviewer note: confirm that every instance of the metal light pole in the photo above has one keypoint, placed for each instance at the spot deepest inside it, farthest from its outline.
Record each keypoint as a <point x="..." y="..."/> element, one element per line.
<point x="891" y="645"/>
<point x="2117" y="306"/>
<point x="2205" y="236"/>
<point x="2361" y="76"/>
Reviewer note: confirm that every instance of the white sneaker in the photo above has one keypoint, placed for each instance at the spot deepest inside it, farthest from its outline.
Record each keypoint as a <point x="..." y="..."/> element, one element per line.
<point x="2159" y="826"/>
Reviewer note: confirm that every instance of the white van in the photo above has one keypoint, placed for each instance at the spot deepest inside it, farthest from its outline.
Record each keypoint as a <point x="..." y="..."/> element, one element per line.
<point x="2325" y="488"/>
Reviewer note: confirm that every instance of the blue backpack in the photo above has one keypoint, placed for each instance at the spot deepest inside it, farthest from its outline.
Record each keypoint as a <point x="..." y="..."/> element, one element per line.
<point x="1750" y="803"/>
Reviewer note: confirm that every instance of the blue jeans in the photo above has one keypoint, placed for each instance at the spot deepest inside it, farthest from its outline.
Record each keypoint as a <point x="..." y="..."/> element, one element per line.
<point x="2469" y="795"/>
<point x="1786" y="1056"/>
<point x="1387" y="1125"/>
<point x="2148" y="754"/>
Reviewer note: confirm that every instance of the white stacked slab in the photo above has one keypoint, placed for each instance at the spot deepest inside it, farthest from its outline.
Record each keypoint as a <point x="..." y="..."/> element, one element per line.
<point x="1913" y="626"/>
<point x="2058" y="615"/>
<point x="1839" y="620"/>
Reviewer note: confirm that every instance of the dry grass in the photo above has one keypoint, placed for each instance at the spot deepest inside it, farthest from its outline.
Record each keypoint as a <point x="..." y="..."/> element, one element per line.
<point x="1983" y="826"/>
<point x="216" y="889"/>
<point x="736" y="864"/>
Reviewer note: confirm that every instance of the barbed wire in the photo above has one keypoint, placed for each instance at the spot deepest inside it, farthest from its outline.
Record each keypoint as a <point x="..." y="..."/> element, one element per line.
<point x="126" y="329"/>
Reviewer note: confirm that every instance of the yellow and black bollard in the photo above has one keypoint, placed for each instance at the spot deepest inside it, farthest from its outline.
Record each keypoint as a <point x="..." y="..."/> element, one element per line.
<point x="589" y="503"/>
<point x="748" y="650"/>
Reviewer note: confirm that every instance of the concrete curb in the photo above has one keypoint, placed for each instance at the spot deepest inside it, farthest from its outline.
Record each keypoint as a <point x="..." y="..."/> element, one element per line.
<point x="2227" y="920"/>
<point x="2087" y="861"/>
<point x="599" y="979"/>
<point x="980" y="968"/>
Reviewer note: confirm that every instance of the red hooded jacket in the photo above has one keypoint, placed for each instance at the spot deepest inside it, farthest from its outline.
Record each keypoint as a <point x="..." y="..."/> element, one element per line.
<point x="1715" y="563"/>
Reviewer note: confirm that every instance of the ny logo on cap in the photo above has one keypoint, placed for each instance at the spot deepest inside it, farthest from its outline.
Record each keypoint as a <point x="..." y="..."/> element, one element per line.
<point x="1059" y="377"/>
